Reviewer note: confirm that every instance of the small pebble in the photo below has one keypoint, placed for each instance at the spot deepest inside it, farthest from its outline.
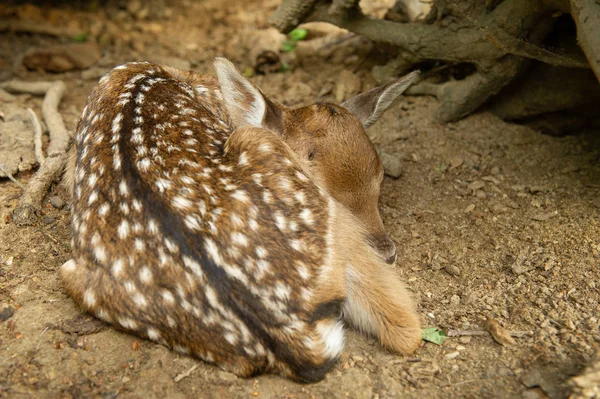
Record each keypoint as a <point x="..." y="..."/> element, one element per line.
<point x="126" y="379"/>
<point x="460" y="348"/>
<point x="452" y="269"/>
<point x="48" y="219"/>
<point x="57" y="202"/>
<point x="456" y="161"/>
<point x="455" y="300"/>
<point x="452" y="355"/>
<point x="464" y="340"/>
<point x="470" y="208"/>
<point x="392" y="166"/>
<point x="476" y="185"/>
<point x="7" y="313"/>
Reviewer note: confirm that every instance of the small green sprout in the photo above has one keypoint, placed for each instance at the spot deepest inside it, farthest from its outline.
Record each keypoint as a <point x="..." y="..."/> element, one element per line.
<point x="80" y="37"/>
<point x="293" y="38"/>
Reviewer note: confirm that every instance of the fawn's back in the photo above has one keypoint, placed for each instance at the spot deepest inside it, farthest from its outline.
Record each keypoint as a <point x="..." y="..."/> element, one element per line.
<point x="212" y="240"/>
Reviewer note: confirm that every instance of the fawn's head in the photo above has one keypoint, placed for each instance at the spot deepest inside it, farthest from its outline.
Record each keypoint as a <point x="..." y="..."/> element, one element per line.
<point x="330" y="139"/>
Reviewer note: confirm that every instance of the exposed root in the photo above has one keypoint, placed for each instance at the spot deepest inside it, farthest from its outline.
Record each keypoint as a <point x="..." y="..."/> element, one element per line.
<point x="36" y="28"/>
<point x="12" y="178"/>
<point x="503" y="38"/>
<point x="37" y="142"/>
<point x="586" y="14"/>
<point x="36" y="189"/>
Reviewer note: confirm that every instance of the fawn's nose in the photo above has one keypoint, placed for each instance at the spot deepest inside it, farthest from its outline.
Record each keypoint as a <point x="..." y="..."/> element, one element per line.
<point x="386" y="247"/>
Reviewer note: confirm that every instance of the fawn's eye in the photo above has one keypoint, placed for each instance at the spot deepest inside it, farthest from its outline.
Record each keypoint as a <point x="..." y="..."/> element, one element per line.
<point x="311" y="155"/>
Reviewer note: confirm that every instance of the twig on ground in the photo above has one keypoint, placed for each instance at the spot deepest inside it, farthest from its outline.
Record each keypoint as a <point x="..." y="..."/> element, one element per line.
<point x="40" y="338"/>
<point x="35" y="27"/>
<point x="12" y="178"/>
<point x="36" y="189"/>
<point x="37" y="142"/>
<point x="473" y="333"/>
<point x="185" y="374"/>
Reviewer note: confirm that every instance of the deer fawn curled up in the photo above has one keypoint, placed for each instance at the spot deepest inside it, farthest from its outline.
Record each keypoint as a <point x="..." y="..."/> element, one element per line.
<point x="223" y="225"/>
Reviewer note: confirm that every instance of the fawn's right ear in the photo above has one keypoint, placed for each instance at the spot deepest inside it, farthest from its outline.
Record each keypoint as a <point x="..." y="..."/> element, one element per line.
<point x="246" y="105"/>
<point x="370" y="105"/>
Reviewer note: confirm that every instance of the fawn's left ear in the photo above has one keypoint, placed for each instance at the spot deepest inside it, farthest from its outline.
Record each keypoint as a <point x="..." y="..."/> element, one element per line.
<point x="246" y="105"/>
<point x="370" y="105"/>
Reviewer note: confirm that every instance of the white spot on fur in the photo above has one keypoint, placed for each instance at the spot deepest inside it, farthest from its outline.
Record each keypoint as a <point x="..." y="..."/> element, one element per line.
<point x="261" y="252"/>
<point x="123" y="229"/>
<point x="298" y="245"/>
<point x="168" y="297"/>
<point x="126" y="322"/>
<point x="171" y="246"/>
<point x="89" y="298"/>
<point x="146" y="275"/>
<point x="140" y="300"/>
<point x="117" y="267"/>
<point x="171" y="322"/>
<point x="241" y="195"/>
<point x="332" y="335"/>
<point x="137" y="205"/>
<point x="194" y="266"/>
<point x="163" y="185"/>
<point x="152" y="227"/>
<point x="192" y="222"/>
<point x="153" y="334"/>
<point x="280" y="221"/>
<point x="300" y="197"/>
<point x="103" y="210"/>
<point x="243" y="159"/>
<point x="181" y="349"/>
<point x="93" y="197"/>
<point x="239" y="239"/>
<point x="144" y="164"/>
<point x="139" y="245"/>
<point x="180" y="202"/>
<point x="116" y="123"/>
<point x="69" y="266"/>
<point x="123" y="188"/>
<point x="307" y="216"/>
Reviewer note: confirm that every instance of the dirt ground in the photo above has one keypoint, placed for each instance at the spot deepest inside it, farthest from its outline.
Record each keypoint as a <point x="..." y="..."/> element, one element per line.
<point x="493" y="220"/>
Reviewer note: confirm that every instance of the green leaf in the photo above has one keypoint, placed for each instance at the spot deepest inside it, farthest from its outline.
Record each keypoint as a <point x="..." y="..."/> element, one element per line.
<point x="248" y="72"/>
<point x="433" y="334"/>
<point x="285" y="68"/>
<point x="289" y="45"/>
<point x="80" y="37"/>
<point x="298" y="34"/>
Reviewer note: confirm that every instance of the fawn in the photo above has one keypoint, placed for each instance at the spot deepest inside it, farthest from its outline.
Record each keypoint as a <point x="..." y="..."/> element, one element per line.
<point x="213" y="220"/>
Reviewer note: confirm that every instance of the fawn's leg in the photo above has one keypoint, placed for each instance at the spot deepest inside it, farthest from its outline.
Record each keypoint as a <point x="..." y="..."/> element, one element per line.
<point x="378" y="304"/>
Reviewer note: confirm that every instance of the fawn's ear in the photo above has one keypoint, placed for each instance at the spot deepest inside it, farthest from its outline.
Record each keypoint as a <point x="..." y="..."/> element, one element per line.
<point x="370" y="105"/>
<point x="246" y="105"/>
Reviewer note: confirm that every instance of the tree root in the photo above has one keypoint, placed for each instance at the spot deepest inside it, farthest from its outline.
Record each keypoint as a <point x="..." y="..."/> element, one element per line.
<point x="36" y="28"/>
<point x="37" y="142"/>
<point x="586" y="14"/>
<point x="500" y="41"/>
<point x="52" y="167"/>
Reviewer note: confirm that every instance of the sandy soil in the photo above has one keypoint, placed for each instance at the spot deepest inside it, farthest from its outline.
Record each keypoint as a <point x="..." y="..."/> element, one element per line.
<point x="493" y="220"/>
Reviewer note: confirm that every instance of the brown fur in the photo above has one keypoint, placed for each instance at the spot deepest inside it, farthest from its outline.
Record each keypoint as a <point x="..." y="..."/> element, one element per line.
<point x="225" y="241"/>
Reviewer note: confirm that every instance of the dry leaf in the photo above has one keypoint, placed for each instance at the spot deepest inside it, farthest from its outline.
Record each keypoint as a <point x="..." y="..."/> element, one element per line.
<point x="499" y="334"/>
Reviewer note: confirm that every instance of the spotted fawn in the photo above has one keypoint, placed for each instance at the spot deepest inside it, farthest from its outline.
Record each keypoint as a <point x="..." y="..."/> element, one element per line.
<point x="215" y="221"/>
